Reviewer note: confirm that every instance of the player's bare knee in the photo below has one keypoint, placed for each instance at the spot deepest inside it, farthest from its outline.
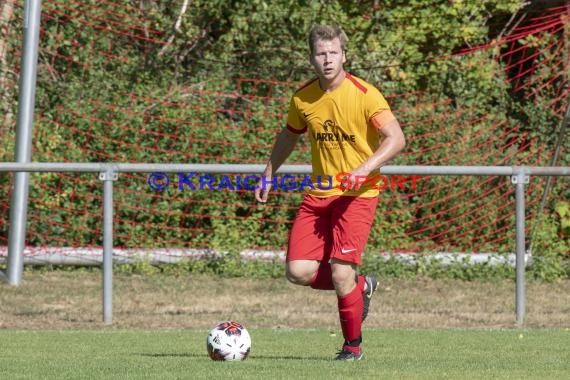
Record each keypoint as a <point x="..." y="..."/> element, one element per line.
<point x="293" y="277"/>
<point x="298" y="276"/>
<point x="343" y="277"/>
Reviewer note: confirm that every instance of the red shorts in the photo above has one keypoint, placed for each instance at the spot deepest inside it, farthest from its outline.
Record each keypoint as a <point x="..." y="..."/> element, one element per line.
<point x="332" y="227"/>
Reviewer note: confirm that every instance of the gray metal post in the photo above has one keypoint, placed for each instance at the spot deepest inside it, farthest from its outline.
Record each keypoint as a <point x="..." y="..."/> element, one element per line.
<point x="26" y="104"/>
<point x="108" y="177"/>
<point x="519" y="180"/>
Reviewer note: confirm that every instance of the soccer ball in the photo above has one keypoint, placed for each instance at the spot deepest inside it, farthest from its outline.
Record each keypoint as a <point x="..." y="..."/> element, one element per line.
<point x="228" y="341"/>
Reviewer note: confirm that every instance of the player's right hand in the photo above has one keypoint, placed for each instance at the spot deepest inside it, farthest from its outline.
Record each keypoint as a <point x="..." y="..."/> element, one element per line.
<point x="262" y="189"/>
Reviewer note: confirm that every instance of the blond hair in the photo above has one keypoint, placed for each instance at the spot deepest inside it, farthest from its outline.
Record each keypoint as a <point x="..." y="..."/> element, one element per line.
<point x="327" y="33"/>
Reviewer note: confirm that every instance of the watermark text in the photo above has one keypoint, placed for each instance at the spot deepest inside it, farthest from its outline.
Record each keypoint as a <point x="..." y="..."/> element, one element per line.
<point x="160" y="181"/>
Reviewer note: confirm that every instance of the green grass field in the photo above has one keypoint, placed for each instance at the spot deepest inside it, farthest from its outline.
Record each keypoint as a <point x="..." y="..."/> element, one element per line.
<point x="286" y="354"/>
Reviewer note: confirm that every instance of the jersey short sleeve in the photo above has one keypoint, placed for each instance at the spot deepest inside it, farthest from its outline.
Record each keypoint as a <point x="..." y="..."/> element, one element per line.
<point x="295" y="122"/>
<point x="374" y="102"/>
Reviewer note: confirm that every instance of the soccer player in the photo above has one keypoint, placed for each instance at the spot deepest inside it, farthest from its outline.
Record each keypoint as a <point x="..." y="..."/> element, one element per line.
<point x="352" y="133"/>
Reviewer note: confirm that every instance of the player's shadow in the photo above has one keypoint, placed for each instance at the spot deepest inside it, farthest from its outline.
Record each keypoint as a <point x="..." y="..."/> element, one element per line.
<point x="172" y="355"/>
<point x="251" y="357"/>
<point x="289" y="357"/>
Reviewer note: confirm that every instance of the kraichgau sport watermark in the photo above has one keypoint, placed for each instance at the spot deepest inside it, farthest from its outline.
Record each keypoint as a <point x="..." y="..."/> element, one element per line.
<point x="159" y="181"/>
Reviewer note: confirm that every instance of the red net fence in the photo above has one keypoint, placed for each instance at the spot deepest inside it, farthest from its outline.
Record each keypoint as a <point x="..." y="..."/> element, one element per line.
<point x="514" y="93"/>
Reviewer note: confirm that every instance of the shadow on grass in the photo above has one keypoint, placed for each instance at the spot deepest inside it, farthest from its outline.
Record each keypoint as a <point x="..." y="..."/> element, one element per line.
<point x="173" y="355"/>
<point x="251" y="357"/>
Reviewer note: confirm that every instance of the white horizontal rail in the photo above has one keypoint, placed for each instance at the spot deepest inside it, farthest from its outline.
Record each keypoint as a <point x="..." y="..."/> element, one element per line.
<point x="97" y="167"/>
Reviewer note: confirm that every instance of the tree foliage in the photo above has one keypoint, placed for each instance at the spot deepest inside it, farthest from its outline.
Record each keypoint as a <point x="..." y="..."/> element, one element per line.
<point x="99" y="66"/>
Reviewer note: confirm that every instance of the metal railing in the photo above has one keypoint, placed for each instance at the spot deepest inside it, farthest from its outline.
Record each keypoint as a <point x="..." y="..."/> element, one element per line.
<point x="108" y="173"/>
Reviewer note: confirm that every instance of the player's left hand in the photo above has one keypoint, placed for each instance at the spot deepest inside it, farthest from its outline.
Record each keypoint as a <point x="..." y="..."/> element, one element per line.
<point x="353" y="181"/>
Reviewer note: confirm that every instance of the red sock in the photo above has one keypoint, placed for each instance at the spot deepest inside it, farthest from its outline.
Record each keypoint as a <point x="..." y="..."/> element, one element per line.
<point x="323" y="278"/>
<point x="350" y="312"/>
<point x="356" y="349"/>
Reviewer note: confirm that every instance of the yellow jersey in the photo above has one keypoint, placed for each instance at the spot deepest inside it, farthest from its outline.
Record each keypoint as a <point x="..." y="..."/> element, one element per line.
<point x="339" y="128"/>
